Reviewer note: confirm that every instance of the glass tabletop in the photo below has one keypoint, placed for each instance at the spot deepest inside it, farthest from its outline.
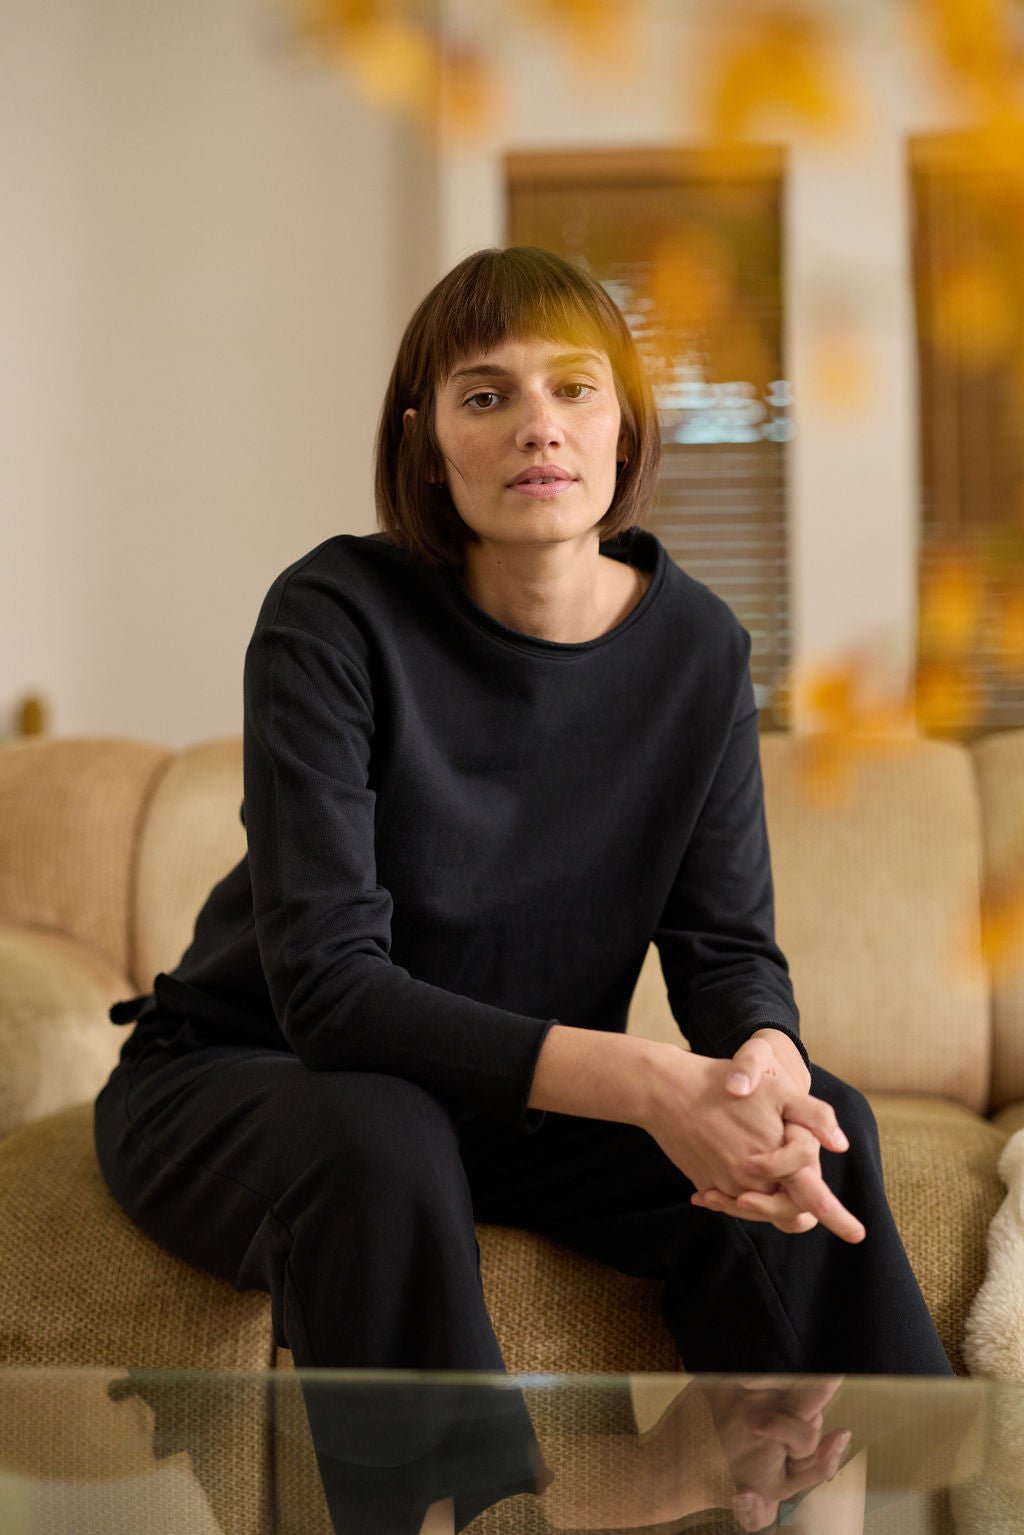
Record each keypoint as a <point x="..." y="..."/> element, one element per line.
<point x="135" y="1452"/>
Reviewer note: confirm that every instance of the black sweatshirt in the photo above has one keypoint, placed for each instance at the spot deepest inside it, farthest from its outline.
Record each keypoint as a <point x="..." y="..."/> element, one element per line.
<point x="459" y="834"/>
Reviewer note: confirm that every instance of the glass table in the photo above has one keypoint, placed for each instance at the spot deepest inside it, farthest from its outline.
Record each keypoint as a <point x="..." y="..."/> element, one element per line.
<point x="134" y="1452"/>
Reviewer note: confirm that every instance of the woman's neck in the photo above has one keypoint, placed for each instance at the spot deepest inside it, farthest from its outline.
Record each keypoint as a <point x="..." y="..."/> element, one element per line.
<point x="566" y="593"/>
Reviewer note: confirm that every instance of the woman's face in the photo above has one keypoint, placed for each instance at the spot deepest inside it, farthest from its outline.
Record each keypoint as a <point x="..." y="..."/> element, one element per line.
<point x="530" y="434"/>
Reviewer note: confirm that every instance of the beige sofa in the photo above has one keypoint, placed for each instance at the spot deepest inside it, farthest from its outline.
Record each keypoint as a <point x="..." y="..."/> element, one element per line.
<point x="882" y="853"/>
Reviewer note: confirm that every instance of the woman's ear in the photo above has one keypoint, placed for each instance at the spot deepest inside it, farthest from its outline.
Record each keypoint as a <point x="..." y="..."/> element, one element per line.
<point x="408" y="420"/>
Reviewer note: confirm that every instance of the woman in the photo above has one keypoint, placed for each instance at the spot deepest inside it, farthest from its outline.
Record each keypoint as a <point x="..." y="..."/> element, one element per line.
<point x="490" y="754"/>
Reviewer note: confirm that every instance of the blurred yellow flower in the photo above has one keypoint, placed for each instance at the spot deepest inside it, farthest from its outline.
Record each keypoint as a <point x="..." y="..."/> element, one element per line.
<point x="597" y="33"/>
<point x="1002" y="922"/>
<point x="972" y="37"/>
<point x="951" y="607"/>
<point x="776" y="57"/>
<point x="948" y="696"/>
<point x="842" y="375"/>
<point x="474" y="98"/>
<point x="976" y="312"/>
<point x="847" y="712"/>
<point x="394" y="63"/>
<point x="1009" y="632"/>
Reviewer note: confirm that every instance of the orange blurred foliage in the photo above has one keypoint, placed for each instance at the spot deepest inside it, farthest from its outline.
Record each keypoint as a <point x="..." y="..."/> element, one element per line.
<point x="693" y="291"/>
<point x="842" y="373"/>
<point x="1002" y="922"/>
<point x="597" y="34"/>
<point x="948" y="695"/>
<point x="1009" y="632"/>
<point x="951" y="606"/>
<point x="474" y="97"/>
<point x="849" y="712"/>
<point x="977" y="311"/>
<point x="776" y="58"/>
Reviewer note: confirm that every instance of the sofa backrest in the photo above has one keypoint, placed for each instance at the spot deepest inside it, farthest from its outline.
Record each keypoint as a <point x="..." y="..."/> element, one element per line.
<point x="70" y="812"/>
<point x="999" y="764"/>
<point x="191" y="837"/>
<point x="876" y="856"/>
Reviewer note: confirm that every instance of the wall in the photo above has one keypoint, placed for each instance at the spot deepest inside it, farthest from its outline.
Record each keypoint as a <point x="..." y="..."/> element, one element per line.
<point x="853" y="510"/>
<point x="211" y="247"/>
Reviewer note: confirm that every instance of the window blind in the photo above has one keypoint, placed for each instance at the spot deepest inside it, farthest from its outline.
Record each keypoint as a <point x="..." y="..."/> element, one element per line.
<point x="968" y="253"/>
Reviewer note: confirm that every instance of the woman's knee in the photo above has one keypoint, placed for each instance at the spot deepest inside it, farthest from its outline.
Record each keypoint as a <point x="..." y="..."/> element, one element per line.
<point x="370" y="1135"/>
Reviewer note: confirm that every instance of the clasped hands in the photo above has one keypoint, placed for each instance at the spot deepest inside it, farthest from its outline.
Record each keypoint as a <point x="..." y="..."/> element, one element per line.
<point x="755" y="1139"/>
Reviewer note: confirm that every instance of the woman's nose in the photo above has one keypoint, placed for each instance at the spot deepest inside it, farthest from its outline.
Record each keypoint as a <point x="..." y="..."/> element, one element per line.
<point x="538" y="425"/>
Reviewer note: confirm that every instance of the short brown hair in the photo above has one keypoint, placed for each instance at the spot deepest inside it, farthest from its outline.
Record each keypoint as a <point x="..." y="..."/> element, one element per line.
<point x="488" y="298"/>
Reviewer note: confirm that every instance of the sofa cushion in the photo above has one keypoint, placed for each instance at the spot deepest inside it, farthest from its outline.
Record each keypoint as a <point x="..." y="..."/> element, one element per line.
<point x="81" y="1285"/>
<point x="69" y="816"/>
<point x="941" y="1176"/>
<point x="59" y="1046"/>
<point x="999" y="763"/>
<point x="876" y="855"/>
<point x="192" y="836"/>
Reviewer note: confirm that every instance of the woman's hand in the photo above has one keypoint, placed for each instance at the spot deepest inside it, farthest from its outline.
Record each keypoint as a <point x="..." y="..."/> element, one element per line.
<point x="774" y="1442"/>
<point x="798" y="1197"/>
<point x="712" y="1134"/>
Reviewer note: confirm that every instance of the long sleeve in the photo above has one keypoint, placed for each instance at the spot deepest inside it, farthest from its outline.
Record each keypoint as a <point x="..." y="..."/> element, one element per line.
<point x="725" y="974"/>
<point x="322" y="921"/>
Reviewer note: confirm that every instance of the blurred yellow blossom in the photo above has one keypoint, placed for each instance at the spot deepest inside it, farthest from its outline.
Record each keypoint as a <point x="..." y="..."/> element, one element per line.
<point x="842" y="373"/>
<point x="948" y="696"/>
<point x="976" y="312"/>
<point x="474" y="97"/>
<point x="597" y="34"/>
<point x="772" y="58"/>
<point x="951" y="606"/>
<point x="1002" y="922"/>
<point x="848" y="710"/>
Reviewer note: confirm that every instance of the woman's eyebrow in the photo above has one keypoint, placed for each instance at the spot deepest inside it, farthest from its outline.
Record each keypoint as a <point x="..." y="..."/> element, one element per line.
<point x="492" y="370"/>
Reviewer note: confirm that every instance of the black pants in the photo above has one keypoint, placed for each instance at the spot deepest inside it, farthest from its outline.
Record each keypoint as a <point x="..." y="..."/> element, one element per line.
<point x="351" y="1199"/>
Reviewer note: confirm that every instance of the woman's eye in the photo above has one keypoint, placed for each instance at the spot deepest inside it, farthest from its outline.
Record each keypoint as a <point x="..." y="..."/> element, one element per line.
<point x="483" y="394"/>
<point x="587" y="389"/>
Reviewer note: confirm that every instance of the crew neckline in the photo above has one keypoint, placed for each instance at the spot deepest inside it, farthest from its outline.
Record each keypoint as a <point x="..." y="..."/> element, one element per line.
<point x="625" y="548"/>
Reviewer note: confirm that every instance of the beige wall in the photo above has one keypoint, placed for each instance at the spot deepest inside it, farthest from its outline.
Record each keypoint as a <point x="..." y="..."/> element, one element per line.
<point x="210" y="249"/>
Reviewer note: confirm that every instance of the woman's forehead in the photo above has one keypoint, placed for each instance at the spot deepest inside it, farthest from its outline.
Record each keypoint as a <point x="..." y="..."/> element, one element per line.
<point x="550" y="351"/>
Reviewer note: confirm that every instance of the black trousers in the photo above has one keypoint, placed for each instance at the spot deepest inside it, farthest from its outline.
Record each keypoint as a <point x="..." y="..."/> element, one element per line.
<point x="351" y="1199"/>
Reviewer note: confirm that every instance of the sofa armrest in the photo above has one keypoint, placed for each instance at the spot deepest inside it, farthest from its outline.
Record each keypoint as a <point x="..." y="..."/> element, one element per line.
<point x="57" y="1046"/>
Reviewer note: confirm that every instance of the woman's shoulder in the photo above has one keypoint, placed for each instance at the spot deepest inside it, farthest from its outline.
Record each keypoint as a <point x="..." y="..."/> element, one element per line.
<point x="347" y="573"/>
<point x="687" y="606"/>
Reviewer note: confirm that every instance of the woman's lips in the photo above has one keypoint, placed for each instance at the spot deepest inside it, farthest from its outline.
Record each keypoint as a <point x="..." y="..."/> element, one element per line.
<point x="541" y="490"/>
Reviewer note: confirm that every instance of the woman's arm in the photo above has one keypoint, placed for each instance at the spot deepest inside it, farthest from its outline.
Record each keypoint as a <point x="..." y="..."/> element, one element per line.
<point x="312" y="750"/>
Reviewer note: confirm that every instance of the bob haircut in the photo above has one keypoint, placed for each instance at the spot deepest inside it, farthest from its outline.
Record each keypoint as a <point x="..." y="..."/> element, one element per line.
<point x="490" y="297"/>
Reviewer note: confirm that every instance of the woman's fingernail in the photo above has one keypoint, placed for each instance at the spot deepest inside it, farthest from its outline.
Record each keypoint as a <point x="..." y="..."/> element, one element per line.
<point x="839" y="1141"/>
<point x="739" y="1082"/>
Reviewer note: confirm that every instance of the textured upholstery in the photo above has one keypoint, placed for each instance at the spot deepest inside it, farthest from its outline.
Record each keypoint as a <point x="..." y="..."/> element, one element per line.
<point x="878" y="914"/>
<point x="53" y="991"/>
<point x="999" y="762"/>
<point x="191" y="837"/>
<point x="69" y="818"/>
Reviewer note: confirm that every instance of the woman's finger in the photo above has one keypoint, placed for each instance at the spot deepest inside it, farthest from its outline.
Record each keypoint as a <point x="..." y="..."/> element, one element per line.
<point x="809" y="1191"/>
<point x="819" y="1118"/>
<point x="749" y="1065"/>
<point x="800" y="1150"/>
<point x="770" y="1209"/>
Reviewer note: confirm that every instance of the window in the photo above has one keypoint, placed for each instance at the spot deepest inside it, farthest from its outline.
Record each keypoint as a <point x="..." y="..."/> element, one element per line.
<point x="968" y="253"/>
<point x="689" y="244"/>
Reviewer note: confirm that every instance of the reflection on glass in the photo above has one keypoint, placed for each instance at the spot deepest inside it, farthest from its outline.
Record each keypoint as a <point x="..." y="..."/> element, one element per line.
<point x="134" y="1452"/>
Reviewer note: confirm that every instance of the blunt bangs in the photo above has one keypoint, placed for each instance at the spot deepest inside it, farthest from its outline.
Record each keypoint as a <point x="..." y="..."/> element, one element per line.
<point x="489" y="298"/>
